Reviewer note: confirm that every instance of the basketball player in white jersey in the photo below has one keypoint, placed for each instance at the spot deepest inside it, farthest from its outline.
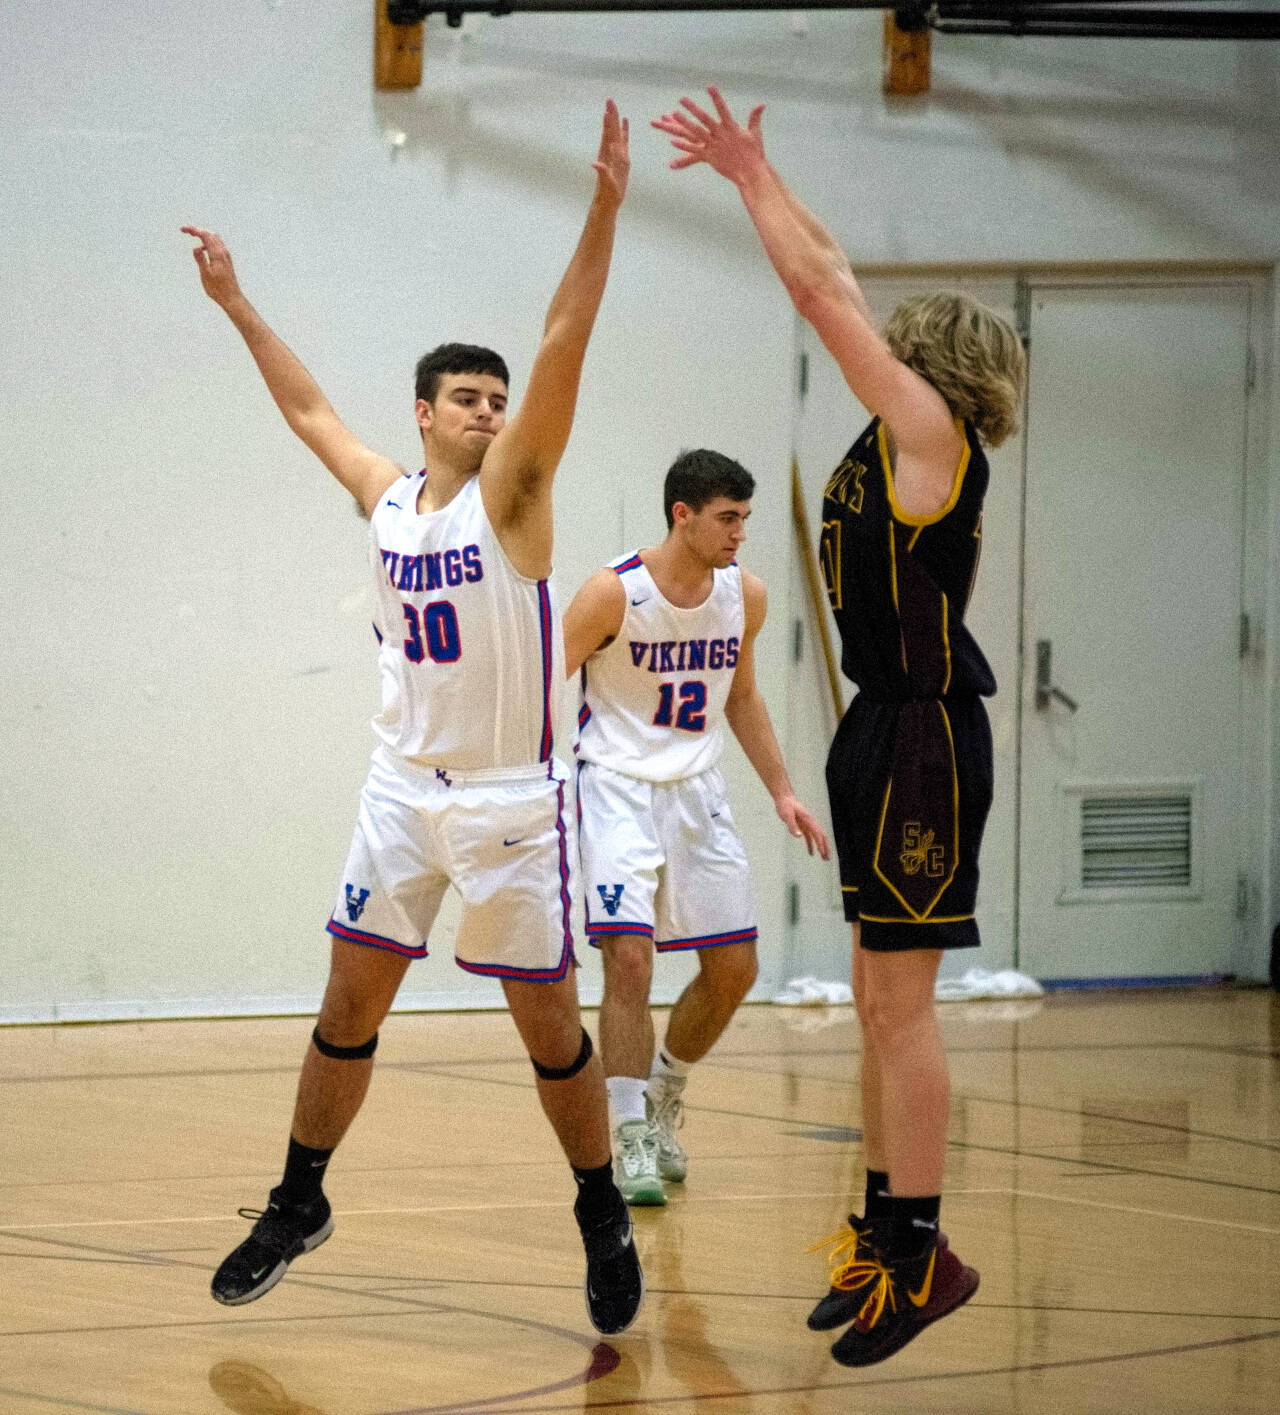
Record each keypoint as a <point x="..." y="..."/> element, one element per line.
<point x="665" y="641"/>
<point x="463" y="788"/>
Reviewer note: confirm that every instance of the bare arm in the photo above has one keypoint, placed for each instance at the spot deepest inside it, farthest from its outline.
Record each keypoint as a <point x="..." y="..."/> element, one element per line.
<point x="515" y="477"/>
<point x="364" y="473"/>
<point x="593" y="618"/>
<point x="748" y="716"/>
<point x="827" y="244"/>
<point x="803" y="254"/>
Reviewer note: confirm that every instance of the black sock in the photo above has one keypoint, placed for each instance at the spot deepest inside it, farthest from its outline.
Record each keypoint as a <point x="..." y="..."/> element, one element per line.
<point x="877" y="1196"/>
<point x="913" y="1225"/>
<point x="303" y="1173"/>
<point x="598" y="1195"/>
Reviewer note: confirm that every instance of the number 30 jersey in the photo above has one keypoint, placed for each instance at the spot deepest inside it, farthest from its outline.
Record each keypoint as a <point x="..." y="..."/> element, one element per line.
<point x="472" y="652"/>
<point x="652" y="700"/>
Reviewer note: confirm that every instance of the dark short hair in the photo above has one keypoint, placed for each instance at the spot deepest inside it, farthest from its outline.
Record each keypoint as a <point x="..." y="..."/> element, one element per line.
<point x="455" y="358"/>
<point x="700" y="476"/>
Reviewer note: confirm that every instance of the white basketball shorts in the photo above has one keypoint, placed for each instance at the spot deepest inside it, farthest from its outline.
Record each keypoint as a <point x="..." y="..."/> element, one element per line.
<point x="662" y="859"/>
<point x="503" y="839"/>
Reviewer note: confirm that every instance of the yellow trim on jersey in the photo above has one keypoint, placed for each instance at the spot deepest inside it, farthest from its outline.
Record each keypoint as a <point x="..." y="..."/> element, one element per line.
<point x="831" y="550"/>
<point x="893" y="587"/>
<point x="917" y="916"/>
<point x="977" y="558"/>
<point x="940" y="919"/>
<point x="946" y="644"/>
<point x="850" y="888"/>
<point x="905" y="517"/>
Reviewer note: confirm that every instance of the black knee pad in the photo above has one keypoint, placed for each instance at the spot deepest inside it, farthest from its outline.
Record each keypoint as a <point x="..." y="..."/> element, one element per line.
<point x="360" y="1053"/>
<point x="564" y="1073"/>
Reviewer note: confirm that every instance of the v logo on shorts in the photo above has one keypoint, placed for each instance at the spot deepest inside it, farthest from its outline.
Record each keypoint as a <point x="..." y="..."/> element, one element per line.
<point x="610" y="901"/>
<point x="355" y="903"/>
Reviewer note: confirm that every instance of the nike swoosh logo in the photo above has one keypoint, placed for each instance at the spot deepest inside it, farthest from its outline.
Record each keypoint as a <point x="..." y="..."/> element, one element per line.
<point x="645" y="600"/>
<point x="918" y="1299"/>
<point x="396" y="504"/>
<point x="259" y="1273"/>
<point x="516" y="841"/>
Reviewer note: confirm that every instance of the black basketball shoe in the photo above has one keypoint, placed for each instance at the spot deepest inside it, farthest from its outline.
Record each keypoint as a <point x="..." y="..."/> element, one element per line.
<point x="614" y="1284"/>
<point x="282" y="1233"/>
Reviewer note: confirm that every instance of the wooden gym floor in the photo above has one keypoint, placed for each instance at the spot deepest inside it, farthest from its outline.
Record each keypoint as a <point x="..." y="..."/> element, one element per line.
<point x="1114" y="1173"/>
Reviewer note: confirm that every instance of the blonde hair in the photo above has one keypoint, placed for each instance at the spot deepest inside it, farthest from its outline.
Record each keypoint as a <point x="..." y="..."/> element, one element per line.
<point x="968" y="353"/>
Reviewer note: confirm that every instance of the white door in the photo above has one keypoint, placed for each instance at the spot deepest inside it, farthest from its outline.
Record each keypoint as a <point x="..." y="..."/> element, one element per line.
<point x="1129" y="845"/>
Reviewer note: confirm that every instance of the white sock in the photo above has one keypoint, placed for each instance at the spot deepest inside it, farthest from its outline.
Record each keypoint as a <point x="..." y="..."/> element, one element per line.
<point x="626" y="1098"/>
<point x="669" y="1068"/>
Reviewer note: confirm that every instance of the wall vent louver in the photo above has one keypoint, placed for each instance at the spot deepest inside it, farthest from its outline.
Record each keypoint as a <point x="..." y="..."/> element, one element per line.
<point x="1135" y="842"/>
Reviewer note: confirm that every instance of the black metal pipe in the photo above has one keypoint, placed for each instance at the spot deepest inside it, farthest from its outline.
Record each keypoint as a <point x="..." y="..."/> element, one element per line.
<point x="1117" y="19"/>
<point x="1109" y="23"/>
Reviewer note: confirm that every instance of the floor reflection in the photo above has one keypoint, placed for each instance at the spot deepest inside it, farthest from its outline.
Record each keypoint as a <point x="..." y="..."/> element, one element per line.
<point x="248" y="1390"/>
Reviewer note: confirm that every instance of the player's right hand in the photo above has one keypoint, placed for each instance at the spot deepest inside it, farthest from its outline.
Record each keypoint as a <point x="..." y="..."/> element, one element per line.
<point x="217" y="274"/>
<point x="613" y="162"/>
<point x="721" y="141"/>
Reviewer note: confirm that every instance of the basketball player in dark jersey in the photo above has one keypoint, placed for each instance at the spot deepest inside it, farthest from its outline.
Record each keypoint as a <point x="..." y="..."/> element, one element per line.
<point x="909" y="773"/>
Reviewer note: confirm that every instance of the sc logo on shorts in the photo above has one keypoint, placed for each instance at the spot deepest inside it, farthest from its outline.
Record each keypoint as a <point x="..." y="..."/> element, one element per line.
<point x="918" y="850"/>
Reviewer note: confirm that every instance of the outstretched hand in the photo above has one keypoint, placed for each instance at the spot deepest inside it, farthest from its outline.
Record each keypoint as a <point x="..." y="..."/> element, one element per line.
<point x="721" y="142"/>
<point x="217" y="274"/>
<point x="803" y="824"/>
<point x="613" y="162"/>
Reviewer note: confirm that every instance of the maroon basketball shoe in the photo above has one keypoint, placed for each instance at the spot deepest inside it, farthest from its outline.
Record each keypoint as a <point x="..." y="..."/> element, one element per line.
<point x="900" y="1300"/>
<point x="848" y="1254"/>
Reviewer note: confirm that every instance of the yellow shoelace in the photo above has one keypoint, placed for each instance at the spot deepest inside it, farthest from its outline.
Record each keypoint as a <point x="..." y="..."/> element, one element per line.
<point x="881" y="1291"/>
<point x="850" y="1270"/>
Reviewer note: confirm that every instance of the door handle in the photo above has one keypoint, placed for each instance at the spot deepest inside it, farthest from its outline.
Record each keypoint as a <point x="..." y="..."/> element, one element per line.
<point x="1046" y="689"/>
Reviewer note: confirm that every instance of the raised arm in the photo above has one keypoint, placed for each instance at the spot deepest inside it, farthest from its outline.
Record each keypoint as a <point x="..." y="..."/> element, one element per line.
<point x="364" y="473"/>
<point x="748" y="717"/>
<point x="515" y="477"/>
<point x="827" y="244"/>
<point x="809" y="264"/>
<point x="593" y="618"/>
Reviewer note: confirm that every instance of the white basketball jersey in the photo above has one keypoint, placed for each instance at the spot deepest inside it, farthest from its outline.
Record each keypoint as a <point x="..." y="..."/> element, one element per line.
<point x="472" y="653"/>
<point x="652" y="701"/>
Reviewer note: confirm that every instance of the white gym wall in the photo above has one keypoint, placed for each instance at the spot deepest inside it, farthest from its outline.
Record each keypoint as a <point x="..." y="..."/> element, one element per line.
<point x="188" y="667"/>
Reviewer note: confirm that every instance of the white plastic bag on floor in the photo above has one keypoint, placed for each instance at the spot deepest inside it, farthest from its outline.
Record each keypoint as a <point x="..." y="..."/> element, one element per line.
<point x="978" y="982"/>
<point x="814" y="992"/>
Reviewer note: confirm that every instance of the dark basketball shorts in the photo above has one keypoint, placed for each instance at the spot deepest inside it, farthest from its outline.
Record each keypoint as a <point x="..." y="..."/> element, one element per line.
<point x="910" y="787"/>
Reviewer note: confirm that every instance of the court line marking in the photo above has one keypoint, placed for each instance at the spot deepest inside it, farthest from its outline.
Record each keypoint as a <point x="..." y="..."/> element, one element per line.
<point x="1133" y="1209"/>
<point x="687" y="1201"/>
<point x="643" y="1402"/>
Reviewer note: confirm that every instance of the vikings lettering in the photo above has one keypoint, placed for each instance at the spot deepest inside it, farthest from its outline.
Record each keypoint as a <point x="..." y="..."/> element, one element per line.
<point x="417" y="573"/>
<point x="685" y="655"/>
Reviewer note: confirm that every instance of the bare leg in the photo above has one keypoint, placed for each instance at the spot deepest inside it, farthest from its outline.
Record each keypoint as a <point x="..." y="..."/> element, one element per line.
<point x="703" y="1009"/>
<point x="871" y="1080"/>
<point x="901" y="1022"/>
<point x="547" y="1017"/>
<point x="362" y="986"/>
<point x="626" y="1025"/>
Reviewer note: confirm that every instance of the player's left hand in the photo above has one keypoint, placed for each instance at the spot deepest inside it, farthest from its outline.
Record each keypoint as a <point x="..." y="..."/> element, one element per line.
<point x="802" y="823"/>
<point x="217" y="274"/>
<point x="613" y="162"/>
<point x="721" y="142"/>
